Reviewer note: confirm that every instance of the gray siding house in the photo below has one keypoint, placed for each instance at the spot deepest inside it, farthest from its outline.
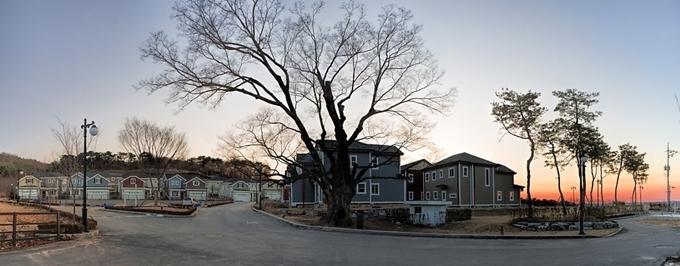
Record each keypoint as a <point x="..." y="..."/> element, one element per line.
<point x="381" y="184"/>
<point x="466" y="180"/>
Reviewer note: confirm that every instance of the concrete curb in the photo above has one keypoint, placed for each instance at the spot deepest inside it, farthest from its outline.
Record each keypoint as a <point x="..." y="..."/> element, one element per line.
<point x="419" y="234"/>
<point x="140" y="213"/>
<point x="71" y="241"/>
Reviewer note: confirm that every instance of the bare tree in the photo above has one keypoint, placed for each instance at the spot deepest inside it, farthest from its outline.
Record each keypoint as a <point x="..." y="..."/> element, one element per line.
<point x="325" y="82"/>
<point x="550" y="138"/>
<point x="520" y="115"/>
<point x="155" y="147"/>
<point x="70" y="141"/>
<point x="625" y="152"/>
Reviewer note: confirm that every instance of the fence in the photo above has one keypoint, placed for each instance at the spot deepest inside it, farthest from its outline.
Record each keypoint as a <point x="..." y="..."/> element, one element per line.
<point x="24" y="227"/>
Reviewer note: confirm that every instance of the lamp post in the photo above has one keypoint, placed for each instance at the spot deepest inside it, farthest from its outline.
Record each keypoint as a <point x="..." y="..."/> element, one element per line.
<point x="582" y="169"/>
<point x="573" y="191"/>
<point x="93" y="132"/>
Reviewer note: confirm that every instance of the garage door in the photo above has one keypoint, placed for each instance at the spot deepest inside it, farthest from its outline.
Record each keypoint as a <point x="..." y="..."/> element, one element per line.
<point x="241" y="196"/>
<point x="97" y="194"/>
<point x="197" y="195"/>
<point x="133" y="194"/>
<point x="28" y="193"/>
<point x="273" y="195"/>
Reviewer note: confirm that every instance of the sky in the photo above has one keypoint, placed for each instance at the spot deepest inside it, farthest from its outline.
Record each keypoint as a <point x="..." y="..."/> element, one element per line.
<point x="69" y="60"/>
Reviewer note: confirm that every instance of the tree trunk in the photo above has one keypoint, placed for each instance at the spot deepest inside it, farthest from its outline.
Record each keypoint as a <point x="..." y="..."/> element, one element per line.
<point x="593" y="176"/>
<point x="601" y="187"/>
<point x="634" y="190"/>
<point x="559" y="181"/>
<point x="529" y="200"/>
<point x="339" y="212"/>
<point x="616" y="187"/>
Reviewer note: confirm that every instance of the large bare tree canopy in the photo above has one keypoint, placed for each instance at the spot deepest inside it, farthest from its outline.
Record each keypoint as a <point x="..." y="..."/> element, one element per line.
<point x="354" y="80"/>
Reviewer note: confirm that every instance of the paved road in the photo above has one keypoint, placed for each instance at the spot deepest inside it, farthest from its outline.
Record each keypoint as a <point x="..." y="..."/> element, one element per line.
<point x="235" y="235"/>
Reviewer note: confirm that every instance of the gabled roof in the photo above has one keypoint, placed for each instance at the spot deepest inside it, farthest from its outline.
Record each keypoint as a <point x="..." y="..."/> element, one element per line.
<point x="469" y="158"/>
<point x="195" y="177"/>
<point x="409" y="166"/>
<point x="463" y="157"/>
<point x="364" y="147"/>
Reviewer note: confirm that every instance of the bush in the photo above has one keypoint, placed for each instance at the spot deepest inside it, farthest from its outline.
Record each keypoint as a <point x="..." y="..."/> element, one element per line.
<point x="458" y="215"/>
<point x="596" y="212"/>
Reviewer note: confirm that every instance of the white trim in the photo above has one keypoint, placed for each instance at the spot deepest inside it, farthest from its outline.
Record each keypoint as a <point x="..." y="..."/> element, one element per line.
<point x="410" y="178"/>
<point x="410" y="195"/>
<point x="499" y="195"/>
<point x="375" y="163"/>
<point x="435" y="195"/>
<point x="454" y="172"/>
<point x="357" y="188"/>
<point x="427" y="195"/>
<point x="375" y="185"/>
<point x="356" y="159"/>
<point x="453" y="195"/>
<point x="511" y="196"/>
<point x="444" y="198"/>
<point x="427" y="178"/>
<point x="466" y="171"/>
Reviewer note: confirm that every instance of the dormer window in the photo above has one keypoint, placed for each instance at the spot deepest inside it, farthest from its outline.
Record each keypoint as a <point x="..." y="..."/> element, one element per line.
<point x="97" y="180"/>
<point x="196" y="183"/>
<point x="133" y="181"/>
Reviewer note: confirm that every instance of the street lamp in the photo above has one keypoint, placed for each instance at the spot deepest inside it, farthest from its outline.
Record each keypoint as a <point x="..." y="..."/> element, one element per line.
<point x="573" y="190"/>
<point x="93" y="131"/>
<point x="582" y="170"/>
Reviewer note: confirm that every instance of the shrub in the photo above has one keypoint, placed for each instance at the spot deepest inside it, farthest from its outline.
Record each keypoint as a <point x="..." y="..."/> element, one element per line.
<point x="458" y="215"/>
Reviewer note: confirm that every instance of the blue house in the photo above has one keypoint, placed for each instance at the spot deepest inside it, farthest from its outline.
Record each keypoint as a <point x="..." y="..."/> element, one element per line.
<point x="97" y="186"/>
<point x="176" y="187"/>
<point x="380" y="184"/>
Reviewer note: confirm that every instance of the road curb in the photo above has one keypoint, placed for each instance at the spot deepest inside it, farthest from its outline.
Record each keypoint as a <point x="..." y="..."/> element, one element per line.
<point x="151" y="214"/>
<point x="419" y="234"/>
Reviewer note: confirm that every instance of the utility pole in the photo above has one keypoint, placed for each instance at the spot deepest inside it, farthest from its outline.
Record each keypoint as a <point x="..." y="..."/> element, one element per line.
<point x="667" y="167"/>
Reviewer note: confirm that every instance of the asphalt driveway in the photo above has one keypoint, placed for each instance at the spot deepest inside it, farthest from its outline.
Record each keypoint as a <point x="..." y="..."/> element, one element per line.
<point x="235" y="235"/>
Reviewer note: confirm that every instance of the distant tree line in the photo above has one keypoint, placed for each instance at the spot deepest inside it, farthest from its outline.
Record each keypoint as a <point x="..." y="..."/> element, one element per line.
<point x="127" y="161"/>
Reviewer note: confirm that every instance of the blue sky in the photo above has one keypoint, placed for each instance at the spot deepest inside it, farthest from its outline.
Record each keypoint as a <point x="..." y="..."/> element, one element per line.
<point x="75" y="59"/>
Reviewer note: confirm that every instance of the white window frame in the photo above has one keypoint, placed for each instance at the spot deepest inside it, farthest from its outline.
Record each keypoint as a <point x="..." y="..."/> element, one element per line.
<point x="375" y="185"/>
<point x="443" y="195"/>
<point x="375" y="163"/>
<point x="427" y="177"/>
<point x="133" y="181"/>
<point x="487" y="177"/>
<point x="453" y="195"/>
<point x="452" y="172"/>
<point x="427" y="195"/>
<point x="466" y="171"/>
<point x="97" y="180"/>
<point x="511" y="196"/>
<point x="410" y="178"/>
<point x="435" y="195"/>
<point x="410" y="195"/>
<point x="364" y="186"/>
<point x="195" y="183"/>
<point x="353" y="159"/>
<point x="441" y="174"/>
<point x="434" y="175"/>
<point x="499" y="195"/>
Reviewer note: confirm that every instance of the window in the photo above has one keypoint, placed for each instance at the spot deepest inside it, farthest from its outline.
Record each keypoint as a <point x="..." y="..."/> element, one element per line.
<point x="175" y="193"/>
<point x="410" y="195"/>
<point x="512" y="196"/>
<point x="452" y="172"/>
<point x="487" y="177"/>
<point x="441" y="173"/>
<point x="453" y="195"/>
<point x="427" y="195"/>
<point x="374" y="163"/>
<point x="465" y="171"/>
<point x="133" y="181"/>
<point x="435" y="195"/>
<point x="354" y="160"/>
<point x="97" y="180"/>
<point x="434" y="176"/>
<point x="29" y="181"/>
<point x="195" y="183"/>
<point x="443" y="195"/>
<point x="410" y="178"/>
<point x="375" y="189"/>
<point x="427" y="177"/>
<point x="361" y="188"/>
<point x="499" y="195"/>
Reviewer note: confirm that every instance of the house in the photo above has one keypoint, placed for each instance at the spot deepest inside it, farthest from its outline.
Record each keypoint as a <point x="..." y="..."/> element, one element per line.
<point x="271" y="190"/>
<point x="469" y="181"/>
<point x="380" y="184"/>
<point x="243" y="190"/>
<point x="413" y="172"/>
<point x="175" y="187"/>
<point x="196" y="188"/>
<point x="97" y="186"/>
<point x="28" y="187"/>
<point x="51" y="185"/>
<point x="132" y="187"/>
